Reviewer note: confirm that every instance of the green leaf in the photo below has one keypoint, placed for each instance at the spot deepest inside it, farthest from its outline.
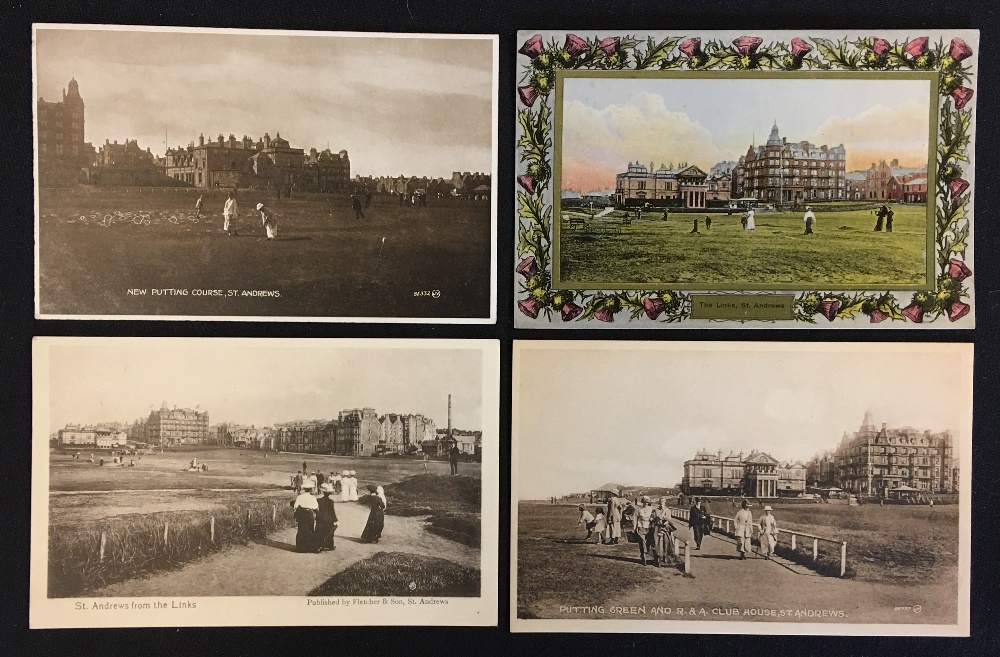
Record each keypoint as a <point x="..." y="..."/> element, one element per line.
<point x="961" y="240"/>
<point x="654" y="54"/>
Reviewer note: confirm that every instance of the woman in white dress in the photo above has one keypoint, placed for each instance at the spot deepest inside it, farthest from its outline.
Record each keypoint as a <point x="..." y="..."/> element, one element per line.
<point x="270" y="221"/>
<point x="354" y="486"/>
<point x="345" y="486"/>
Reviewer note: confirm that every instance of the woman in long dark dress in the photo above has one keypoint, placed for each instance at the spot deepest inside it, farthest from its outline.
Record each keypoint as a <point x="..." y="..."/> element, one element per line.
<point x="304" y="511"/>
<point x="376" y="518"/>
<point x="326" y="519"/>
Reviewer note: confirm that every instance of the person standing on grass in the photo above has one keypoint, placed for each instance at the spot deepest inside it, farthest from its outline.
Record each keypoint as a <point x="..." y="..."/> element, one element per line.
<point x="888" y="220"/>
<point x="304" y="509"/>
<point x="588" y="520"/>
<point x="882" y="212"/>
<point x="356" y="206"/>
<point x="270" y="222"/>
<point x="453" y="455"/>
<point x="768" y="532"/>
<point x="614" y="517"/>
<point x="644" y="531"/>
<point x="326" y="519"/>
<point x="696" y="523"/>
<point x="743" y="529"/>
<point x="197" y="205"/>
<point x="231" y="215"/>
<point x="375" y="500"/>
<point x="748" y="223"/>
<point x="809" y="219"/>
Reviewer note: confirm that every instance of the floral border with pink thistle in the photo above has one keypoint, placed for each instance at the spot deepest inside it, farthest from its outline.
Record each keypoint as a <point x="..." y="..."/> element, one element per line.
<point x="539" y="61"/>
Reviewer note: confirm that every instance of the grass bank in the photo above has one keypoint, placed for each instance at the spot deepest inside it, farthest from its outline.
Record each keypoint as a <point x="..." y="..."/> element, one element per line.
<point x="399" y="574"/>
<point x="452" y="502"/>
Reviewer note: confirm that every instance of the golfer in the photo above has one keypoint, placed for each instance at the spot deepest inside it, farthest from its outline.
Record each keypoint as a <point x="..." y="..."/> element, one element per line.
<point x="270" y="221"/>
<point x="197" y="205"/>
<point x="809" y="219"/>
<point x="231" y="215"/>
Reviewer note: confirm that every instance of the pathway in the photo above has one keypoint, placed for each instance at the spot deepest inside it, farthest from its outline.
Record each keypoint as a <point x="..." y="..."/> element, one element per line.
<point x="272" y="567"/>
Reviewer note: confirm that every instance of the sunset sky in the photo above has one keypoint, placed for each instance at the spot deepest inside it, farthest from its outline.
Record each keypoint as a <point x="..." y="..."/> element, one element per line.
<point x="261" y="382"/>
<point x="411" y="106"/>
<point x="609" y="122"/>
<point x="588" y="413"/>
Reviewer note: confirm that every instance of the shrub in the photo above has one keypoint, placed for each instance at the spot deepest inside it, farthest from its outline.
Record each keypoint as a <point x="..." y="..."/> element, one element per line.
<point x="134" y="545"/>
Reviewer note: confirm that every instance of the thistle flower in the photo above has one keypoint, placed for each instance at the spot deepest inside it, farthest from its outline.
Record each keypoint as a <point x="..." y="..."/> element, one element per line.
<point x="958" y="187"/>
<point x="575" y="46"/>
<point x="958" y="310"/>
<point x="828" y="308"/>
<point x="529" y="307"/>
<point x="916" y="47"/>
<point x="877" y="316"/>
<point x="605" y="315"/>
<point x="880" y="46"/>
<point x="914" y="313"/>
<point x="691" y="47"/>
<point x="746" y="45"/>
<point x="609" y="45"/>
<point x="800" y="48"/>
<point x="962" y="96"/>
<point x="532" y="47"/>
<point x="654" y="307"/>
<point x="527" y="182"/>
<point x="570" y="311"/>
<point x="528" y="95"/>
<point x="528" y="267"/>
<point x="959" y="50"/>
<point x="958" y="271"/>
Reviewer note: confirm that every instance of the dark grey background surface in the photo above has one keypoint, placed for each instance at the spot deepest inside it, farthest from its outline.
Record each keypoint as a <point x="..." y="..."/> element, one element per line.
<point x="503" y="17"/>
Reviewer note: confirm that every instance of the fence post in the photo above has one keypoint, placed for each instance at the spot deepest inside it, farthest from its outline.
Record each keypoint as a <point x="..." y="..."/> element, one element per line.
<point x="248" y="518"/>
<point x="677" y="547"/>
<point x="274" y="513"/>
<point x="104" y="538"/>
<point x="843" y="558"/>
<point x="211" y="529"/>
<point x="687" y="558"/>
<point x="166" y="528"/>
<point x="815" y="548"/>
<point x="793" y="542"/>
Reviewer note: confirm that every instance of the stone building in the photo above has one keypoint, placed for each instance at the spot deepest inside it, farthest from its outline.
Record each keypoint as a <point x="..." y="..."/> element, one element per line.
<point x="96" y="437"/>
<point x="756" y="474"/>
<point x="358" y="432"/>
<point x="390" y="434"/>
<point x="886" y="181"/>
<point x="874" y="460"/>
<point x="682" y="186"/>
<point x="791" y="172"/>
<point x="177" y="426"/>
<point x="62" y="150"/>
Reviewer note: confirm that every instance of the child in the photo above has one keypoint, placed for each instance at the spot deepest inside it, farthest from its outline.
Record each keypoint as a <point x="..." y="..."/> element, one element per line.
<point x="587" y="519"/>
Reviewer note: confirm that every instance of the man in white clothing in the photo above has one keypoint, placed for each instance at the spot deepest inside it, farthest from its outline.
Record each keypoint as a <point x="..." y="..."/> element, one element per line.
<point x="231" y="215"/>
<point x="768" y="532"/>
<point x="743" y="529"/>
<point x="809" y="219"/>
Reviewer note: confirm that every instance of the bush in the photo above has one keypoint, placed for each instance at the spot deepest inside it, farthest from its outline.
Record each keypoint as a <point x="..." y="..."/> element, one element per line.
<point x="134" y="544"/>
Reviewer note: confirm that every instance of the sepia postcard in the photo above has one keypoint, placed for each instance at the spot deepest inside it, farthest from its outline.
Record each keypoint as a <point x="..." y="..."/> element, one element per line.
<point x="246" y="482"/>
<point x="741" y="488"/>
<point x="223" y="174"/>
<point x="745" y="180"/>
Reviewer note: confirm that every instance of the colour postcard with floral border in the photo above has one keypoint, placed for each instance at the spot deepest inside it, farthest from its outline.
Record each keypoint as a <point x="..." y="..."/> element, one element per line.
<point x="745" y="179"/>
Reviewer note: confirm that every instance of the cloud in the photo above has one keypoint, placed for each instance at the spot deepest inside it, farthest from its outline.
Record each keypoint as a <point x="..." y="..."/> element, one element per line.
<point x="879" y="132"/>
<point x="597" y="143"/>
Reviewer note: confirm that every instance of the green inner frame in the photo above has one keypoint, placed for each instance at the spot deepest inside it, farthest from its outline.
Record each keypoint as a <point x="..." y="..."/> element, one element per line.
<point x="932" y="140"/>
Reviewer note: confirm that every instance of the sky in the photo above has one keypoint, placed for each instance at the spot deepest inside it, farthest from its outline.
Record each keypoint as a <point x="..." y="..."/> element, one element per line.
<point x="608" y="123"/>
<point x="408" y="106"/>
<point x="623" y="413"/>
<point x="250" y="382"/>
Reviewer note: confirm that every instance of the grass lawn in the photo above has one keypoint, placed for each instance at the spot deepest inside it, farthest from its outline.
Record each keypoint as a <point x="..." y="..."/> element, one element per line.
<point x="399" y="574"/>
<point x="95" y="244"/>
<point x="843" y="252"/>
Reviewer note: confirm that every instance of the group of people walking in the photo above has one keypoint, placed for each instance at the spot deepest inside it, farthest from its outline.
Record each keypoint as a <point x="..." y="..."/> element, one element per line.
<point x="315" y="512"/>
<point x="653" y="529"/>
<point x="885" y="215"/>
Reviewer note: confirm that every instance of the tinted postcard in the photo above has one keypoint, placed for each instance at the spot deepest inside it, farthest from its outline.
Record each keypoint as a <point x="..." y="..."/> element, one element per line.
<point x="231" y="482"/>
<point x="186" y="173"/>
<point x="734" y="488"/>
<point x="723" y="179"/>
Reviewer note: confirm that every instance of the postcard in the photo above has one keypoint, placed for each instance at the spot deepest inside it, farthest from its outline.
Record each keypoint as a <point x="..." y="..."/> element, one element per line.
<point x="223" y="174"/>
<point x="741" y="488"/>
<point x="181" y="482"/>
<point x="745" y="180"/>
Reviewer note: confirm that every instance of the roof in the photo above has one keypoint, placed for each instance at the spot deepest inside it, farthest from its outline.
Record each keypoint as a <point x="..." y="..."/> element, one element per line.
<point x="856" y="175"/>
<point x="916" y="181"/>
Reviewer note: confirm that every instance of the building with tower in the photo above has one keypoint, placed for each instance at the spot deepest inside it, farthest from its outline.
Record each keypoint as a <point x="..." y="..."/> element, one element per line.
<point x="791" y="172"/>
<point x="62" y="150"/>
